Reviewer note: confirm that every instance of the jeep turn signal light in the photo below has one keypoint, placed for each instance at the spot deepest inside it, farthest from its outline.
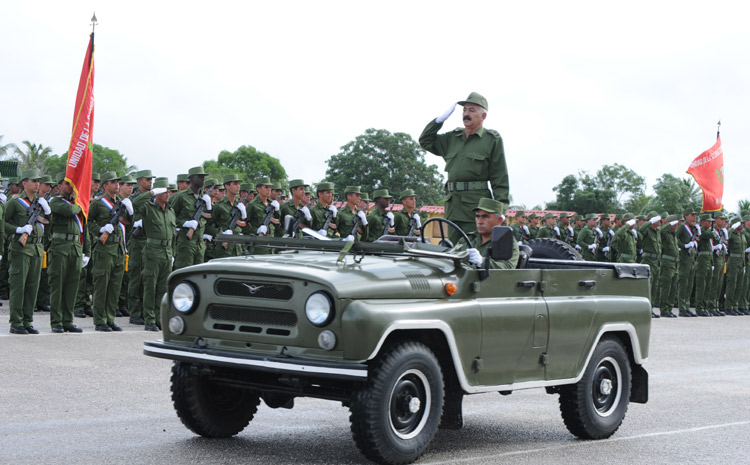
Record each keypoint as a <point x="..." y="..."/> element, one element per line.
<point x="450" y="288"/>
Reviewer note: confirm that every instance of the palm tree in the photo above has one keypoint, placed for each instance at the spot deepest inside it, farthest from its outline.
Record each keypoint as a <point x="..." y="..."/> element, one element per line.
<point x="744" y="207"/>
<point x="33" y="156"/>
<point x="5" y="149"/>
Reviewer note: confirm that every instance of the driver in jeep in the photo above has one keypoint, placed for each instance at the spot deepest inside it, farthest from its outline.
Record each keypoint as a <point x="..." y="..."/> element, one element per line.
<point x="488" y="214"/>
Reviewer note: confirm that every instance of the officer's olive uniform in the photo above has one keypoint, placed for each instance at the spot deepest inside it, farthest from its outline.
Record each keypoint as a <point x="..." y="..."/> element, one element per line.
<point x="136" y="243"/>
<point x="686" y="271"/>
<point x="402" y="222"/>
<point x="545" y="232"/>
<point x="375" y="227"/>
<point x="668" y="268"/>
<point x="189" y="251"/>
<point x="605" y="241"/>
<point x="744" y="299"/>
<point x="25" y="262"/>
<point x="651" y="246"/>
<point x="318" y="213"/>
<point x="289" y="209"/>
<point x="585" y="239"/>
<point x="624" y="244"/>
<point x="345" y="222"/>
<point x="735" y="269"/>
<point x="476" y="243"/>
<point x="221" y="217"/>
<point x="108" y="260"/>
<point x="703" y="270"/>
<point x="159" y="225"/>
<point x="256" y="214"/>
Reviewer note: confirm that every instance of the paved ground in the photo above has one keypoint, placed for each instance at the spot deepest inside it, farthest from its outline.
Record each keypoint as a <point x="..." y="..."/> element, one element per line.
<point x="93" y="398"/>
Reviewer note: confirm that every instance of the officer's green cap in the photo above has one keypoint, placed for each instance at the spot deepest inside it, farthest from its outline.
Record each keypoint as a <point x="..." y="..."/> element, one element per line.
<point x="219" y="186"/>
<point x="160" y="182"/>
<point x="353" y="190"/>
<point x="476" y="99"/>
<point x="618" y="216"/>
<point x="144" y="174"/>
<point x="231" y="177"/>
<point x="707" y="217"/>
<point x="674" y="217"/>
<point x="324" y="186"/>
<point x="96" y="177"/>
<point x="196" y="171"/>
<point x="182" y="178"/>
<point x="564" y="215"/>
<point x="641" y="217"/>
<point x="276" y="186"/>
<point x="127" y="179"/>
<point x="406" y="193"/>
<point x="246" y="186"/>
<point x="548" y="216"/>
<point x="297" y="183"/>
<point x="60" y="177"/>
<point x="719" y="214"/>
<point x="173" y="187"/>
<point x="364" y="196"/>
<point x="381" y="193"/>
<point x="591" y="216"/>
<point x="628" y="217"/>
<point x="652" y="214"/>
<point x="578" y="217"/>
<point x="263" y="181"/>
<point x="664" y="214"/>
<point x="520" y="214"/>
<point x="689" y="211"/>
<point x="209" y="182"/>
<point x="490" y="205"/>
<point x="604" y="216"/>
<point x="46" y="179"/>
<point x="532" y="216"/>
<point x="110" y="176"/>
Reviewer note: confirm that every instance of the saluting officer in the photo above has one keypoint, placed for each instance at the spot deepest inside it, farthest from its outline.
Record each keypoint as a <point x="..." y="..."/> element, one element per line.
<point x="651" y="246"/>
<point x="190" y="250"/>
<point x="136" y="243"/>
<point x="687" y="243"/>
<point x="670" y="253"/>
<point x="624" y="241"/>
<point x="719" y="259"/>
<point x="735" y="266"/>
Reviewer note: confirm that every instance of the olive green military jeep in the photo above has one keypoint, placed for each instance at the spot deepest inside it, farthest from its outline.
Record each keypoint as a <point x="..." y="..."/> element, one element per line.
<point x="399" y="331"/>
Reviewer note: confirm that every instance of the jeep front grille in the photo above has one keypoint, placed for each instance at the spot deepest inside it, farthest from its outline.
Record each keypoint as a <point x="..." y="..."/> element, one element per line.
<point x="227" y="313"/>
<point x="235" y="288"/>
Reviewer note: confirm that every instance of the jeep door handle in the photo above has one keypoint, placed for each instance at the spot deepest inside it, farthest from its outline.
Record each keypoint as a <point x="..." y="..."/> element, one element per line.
<point x="587" y="283"/>
<point x="526" y="283"/>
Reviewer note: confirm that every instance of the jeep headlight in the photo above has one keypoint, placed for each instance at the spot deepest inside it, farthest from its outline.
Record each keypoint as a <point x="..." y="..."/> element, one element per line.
<point x="319" y="309"/>
<point x="184" y="297"/>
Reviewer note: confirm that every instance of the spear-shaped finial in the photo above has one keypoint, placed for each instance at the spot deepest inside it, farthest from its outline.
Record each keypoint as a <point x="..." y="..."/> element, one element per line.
<point x="93" y="22"/>
<point x="718" y="129"/>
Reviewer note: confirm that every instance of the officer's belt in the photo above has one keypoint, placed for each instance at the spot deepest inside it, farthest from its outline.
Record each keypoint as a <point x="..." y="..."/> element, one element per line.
<point x="669" y="258"/>
<point x="66" y="237"/>
<point x="30" y="239"/>
<point x="465" y="186"/>
<point x="627" y="256"/>
<point x="164" y="242"/>
<point x="650" y="255"/>
<point x="112" y="238"/>
<point x="704" y="253"/>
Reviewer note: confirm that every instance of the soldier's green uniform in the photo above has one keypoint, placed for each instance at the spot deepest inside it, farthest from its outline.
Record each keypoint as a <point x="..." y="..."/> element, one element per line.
<point x="257" y="211"/>
<point x="567" y="232"/>
<point x="703" y="266"/>
<point x="606" y="234"/>
<point x="586" y="239"/>
<point x="686" y="273"/>
<point x="136" y="243"/>
<point x="289" y="208"/>
<point x="744" y="299"/>
<point x="320" y="212"/>
<point x="471" y="162"/>
<point x="735" y="267"/>
<point x="42" y="295"/>
<point x="624" y="244"/>
<point x="25" y="262"/>
<point x="5" y="244"/>
<point x="533" y="230"/>
<point x="668" y="266"/>
<point x="68" y="243"/>
<point x="520" y="232"/>
<point x="650" y="243"/>
<point x="376" y="218"/>
<point x="85" y="282"/>
<point x="346" y="218"/>
<point x="190" y="251"/>
<point x="403" y="219"/>
<point x="222" y="217"/>
<point x="719" y="260"/>
<point x="490" y="206"/>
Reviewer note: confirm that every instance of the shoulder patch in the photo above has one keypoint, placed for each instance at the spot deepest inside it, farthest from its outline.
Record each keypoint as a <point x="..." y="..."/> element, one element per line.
<point x="494" y="133"/>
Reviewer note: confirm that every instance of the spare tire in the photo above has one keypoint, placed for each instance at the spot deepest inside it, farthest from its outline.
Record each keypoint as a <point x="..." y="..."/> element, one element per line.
<point x="553" y="248"/>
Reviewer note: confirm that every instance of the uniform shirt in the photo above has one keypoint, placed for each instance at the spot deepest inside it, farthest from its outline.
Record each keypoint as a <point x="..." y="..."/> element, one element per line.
<point x="184" y="206"/>
<point x="707" y="240"/>
<point x="345" y="222"/>
<point x="401" y="222"/>
<point x="746" y="234"/>
<point x="100" y="213"/>
<point x="684" y="234"/>
<point x="319" y="213"/>
<point x="737" y="245"/>
<point x="476" y="243"/>
<point x="375" y="227"/>
<point x="256" y="213"/>
<point x="289" y="209"/>
<point x="138" y="201"/>
<point x="669" y="245"/>
<point x="16" y="215"/>
<point x="624" y="244"/>
<point x="221" y="215"/>
<point x="650" y="239"/>
<point x="66" y="217"/>
<point x="587" y="237"/>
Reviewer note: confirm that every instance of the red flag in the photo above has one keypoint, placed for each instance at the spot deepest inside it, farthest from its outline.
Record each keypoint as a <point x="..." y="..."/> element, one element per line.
<point x="80" y="159"/>
<point x="708" y="171"/>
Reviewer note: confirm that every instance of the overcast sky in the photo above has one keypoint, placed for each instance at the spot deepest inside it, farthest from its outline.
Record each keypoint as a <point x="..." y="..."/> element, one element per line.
<point x="571" y="85"/>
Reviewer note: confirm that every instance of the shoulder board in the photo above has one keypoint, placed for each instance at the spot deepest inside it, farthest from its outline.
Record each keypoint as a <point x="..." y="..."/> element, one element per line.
<point x="493" y="133"/>
<point x="458" y="130"/>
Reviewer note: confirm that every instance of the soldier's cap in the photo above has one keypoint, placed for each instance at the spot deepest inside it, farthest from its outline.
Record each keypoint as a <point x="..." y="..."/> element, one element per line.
<point x="604" y="216"/>
<point x="578" y="217"/>
<point x="297" y="183"/>
<point x="110" y="176"/>
<point x="173" y="187"/>
<point x="96" y="177"/>
<point x="196" y="171"/>
<point x="532" y="216"/>
<point x="618" y="216"/>
<point x="182" y="178"/>
<point x="162" y="178"/>
<point x="689" y="211"/>
<point x="364" y="196"/>
<point x="674" y="217"/>
<point x="491" y="206"/>
<point x="564" y="215"/>
<point x="719" y="214"/>
<point x="209" y="182"/>
<point x="591" y="216"/>
<point x="406" y="193"/>
<point x="144" y="174"/>
<point x="664" y="214"/>
<point x="548" y="216"/>
<point x="353" y="190"/>
<point x="381" y="193"/>
<point x="31" y="174"/>
<point x="652" y="214"/>
<point x="520" y="214"/>
<point x="707" y="217"/>
<point x="127" y="179"/>
<point x="628" y="217"/>
<point x="276" y="186"/>
<point x="746" y="218"/>
<point x="476" y="99"/>
<point x="160" y="183"/>
<point x="641" y="217"/>
<point x="46" y="179"/>
<point x="263" y="181"/>
<point x="246" y="186"/>
<point x="324" y="186"/>
<point x="231" y="177"/>
<point x="60" y="177"/>
<point x="220" y="186"/>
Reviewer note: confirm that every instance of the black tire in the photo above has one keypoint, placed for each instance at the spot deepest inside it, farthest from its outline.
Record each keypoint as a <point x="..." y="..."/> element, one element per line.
<point x="208" y="409"/>
<point x="553" y="248"/>
<point x="594" y="407"/>
<point x="395" y="416"/>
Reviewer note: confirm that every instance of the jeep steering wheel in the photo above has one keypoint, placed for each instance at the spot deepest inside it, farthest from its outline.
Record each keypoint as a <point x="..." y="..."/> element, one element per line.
<point x="443" y="239"/>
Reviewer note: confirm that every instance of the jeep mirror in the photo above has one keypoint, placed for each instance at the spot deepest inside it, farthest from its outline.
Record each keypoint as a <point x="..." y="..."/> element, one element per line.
<point x="502" y="243"/>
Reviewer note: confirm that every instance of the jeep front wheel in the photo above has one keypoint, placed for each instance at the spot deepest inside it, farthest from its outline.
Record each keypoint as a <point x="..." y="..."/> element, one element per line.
<point x="594" y="407"/>
<point x="395" y="416"/>
<point x="210" y="409"/>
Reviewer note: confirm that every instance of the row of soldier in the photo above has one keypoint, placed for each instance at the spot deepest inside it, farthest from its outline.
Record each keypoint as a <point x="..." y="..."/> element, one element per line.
<point x="140" y="228"/>
<point x="706" y="256"/>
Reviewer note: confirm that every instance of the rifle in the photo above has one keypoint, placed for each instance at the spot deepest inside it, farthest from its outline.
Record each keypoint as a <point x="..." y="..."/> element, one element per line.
<point x="235" y="217"/>
<point x="298" y="216"/>
<point x="386" y="220"/>
<point x="357" y="223"/>
<point x="117" y="211"/>
<point x="328" y="219"/>
<point x="35" y="209"/>
<point x="269" y="211"/>
<point x="413" y="224"/>
<point x="200" y="206"/>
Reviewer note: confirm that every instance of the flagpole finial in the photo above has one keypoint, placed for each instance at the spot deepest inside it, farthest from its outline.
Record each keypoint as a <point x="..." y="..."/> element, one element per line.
<point x="93" y="22"/>
<point x="718" y="129"/>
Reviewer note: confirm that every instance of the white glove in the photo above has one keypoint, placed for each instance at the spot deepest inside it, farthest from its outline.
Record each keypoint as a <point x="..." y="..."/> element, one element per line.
<point x="417" y="219"/>
<point x="27" y="228"/>
<point x="85" y="261"/>
<point x="192" y="224"/>
<point x="3" y="198"/>
<point x="128" y="206"/>
<point x="446" y="115"/>
<point x="262" y="230"/>
<point x="207" y="200"/>
<point x="599" y="232"/>
<point x="475" y="258"/>
<point x="672" y="223"/>
<point x="362" y="217"/>
<point x="138" y="224"/>
<point x="726" y="233"/>
<point x="107" y="228"/>
<point x="228" y="231"/>
<point x="45" y="205"/>
<point x="557" y="231"/>
<point x="158" y="190"/>
<point x="349" y="238"/>
<point x="526" y="229"/>
<point x="641" y="252"/>
<point x="333" y="210"/>
<point x="578" y="247"/>
<point x="690" y="245"/>
<point x="322" y="232"/>
<point x="612" y="232"/>
<point x="629" y="223"/>
<point x="306" y="211"/>
<point x="747" y="250"/>
<point x="605" y="250"/>
<point x="243" y="210"/>
<point x="635" y="233"/>
<point x="389" y="215"/>
<point x="698" y="231"/>
<point x="655" y="219"/>
<point x="570" y="230"/>
<point x="275" y="205"/>
<point x="208" y="237"/>
<point x="592" y="247"/>
<point x="717" y="247"/>
<point x="725" y="248"/>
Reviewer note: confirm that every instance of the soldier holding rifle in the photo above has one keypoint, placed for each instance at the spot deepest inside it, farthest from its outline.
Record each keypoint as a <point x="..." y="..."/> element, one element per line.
<point x="191" y="208"/>
<point x="324" y="212"/>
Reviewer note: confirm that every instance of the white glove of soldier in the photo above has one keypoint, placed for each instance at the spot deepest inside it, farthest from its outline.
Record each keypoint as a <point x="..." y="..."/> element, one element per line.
<point x="747" y="250"/>
<point x="557" y="231"/>
<point x="138" y="224"/>
<point x="322" y="232"/>
<point x="475" y="258"/>
<point x="570" y="230"/>
<point x="417" y="219"/>
<point x="349" y="238"/>
<point x="192" y="224"/>
<point x="85" y="261"/>
<point x="262" y="230"/>
<point x="592" y="247"/>
<point x="27" y="228"/>
<point x="208" y="237"/>
<point x="243" y="210"/>
<point x="599" y="232"/>
<point x="446" y="115"/>
<point x="306" y="211"/>
<point x="578" y="247"/>
<point x="228" y="231"/>
<point x="333" y="210"/>
<point x="45" y="205"/>
<point x="726" y="233"/>
<point x="362" y="217"/>
<point x="107" y="228"/>
<point x="641" y="252"/>
<point x="3" y="198"/>
<point x="158" y="190"/>
<point x="128" y="206"/>
<point x="612" y="232"/>
<point x="635" y="233"/>
<point x="526" y="230"/>
<point x="605" y="250"/>
<point x="690" y="245"/>
<point x="717" y="247"/>
<point x="275" y="205"/>
<point x="207" y="200"/>
<point x="698" y="231"/>
<point x="389" y="215"/>
<point x="655" y="219"/>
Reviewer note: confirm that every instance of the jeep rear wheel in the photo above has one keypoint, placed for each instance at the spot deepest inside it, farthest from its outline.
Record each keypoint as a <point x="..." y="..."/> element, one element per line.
<point x="210" y="409"/>
<point x="395" y="416"/>
<point x="594" y="407"/>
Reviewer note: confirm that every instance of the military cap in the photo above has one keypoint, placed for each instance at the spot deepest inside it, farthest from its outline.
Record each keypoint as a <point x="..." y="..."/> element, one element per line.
<point x="182" y="178"/>
<point x="674" y="217"/>
<point x="707" y="217"/>
<point x="173" y="187"/>
<point x="46" y="179"/>
<point x="324" y="186"/>
<point x="209" y="182"/>
<point x="737" y="221"/>
<point x="353" y="190"/>
<point x="96" y="177"/>
<point x="219" y="186"/>
<point x="628" y="217"/>
<point x="641" y="217"/>
<point x="490" y="205"/>
<point x="275" y="186"/>
<point x="109" y="176"/>
<point x="297" y="183"/>
<point x="230" y="177"/>
<point x="532" y="216"/>
<point x="364" y="196"/>
<point x="520" y="214"/>
<point x="162" y="179"/>
<point x="160" y="183"/>
<point x="719" y="214"/>
<point x="578" y="217"/>
<point x="31" y="174"/>
<point x="652" y="214"/>
<point x="127" y="179"/>
<point x="664" y="214"/>
<point x="196" y="171"/>
<point x="604" y="216"/>
<point x="263" y="181"/>
<point x="246" y="186"/>
<point x="60" y="177"/>
<point x="407" y="193"/>
<point x="548" y="216"/>
<point x="381" y="193"/>
<point x="476" y="99"/>
<point x="689" y="211"/>
<point x="144" y="174"/>
<point x="591" y="216"/>
<point x="564" y="215"/>
<point x="618" y="216"/>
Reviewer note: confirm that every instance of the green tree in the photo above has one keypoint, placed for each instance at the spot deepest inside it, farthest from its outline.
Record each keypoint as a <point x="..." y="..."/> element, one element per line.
<point x="381" y="159"/>
<point x="104" y="159"/>
<point x="626" y="183"/>
<point x="6" y="149"/>
<point x="248" y="163"/>
<point x="32" y="156"/>
<point x="583" y="194"/>
<point x="673" y="194"/>
<point x="743" y="207"/>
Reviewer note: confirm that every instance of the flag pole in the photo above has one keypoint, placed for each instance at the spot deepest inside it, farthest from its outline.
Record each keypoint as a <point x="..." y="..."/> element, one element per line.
<point x="718" y="127"/>
<point x="93" y="22"/>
